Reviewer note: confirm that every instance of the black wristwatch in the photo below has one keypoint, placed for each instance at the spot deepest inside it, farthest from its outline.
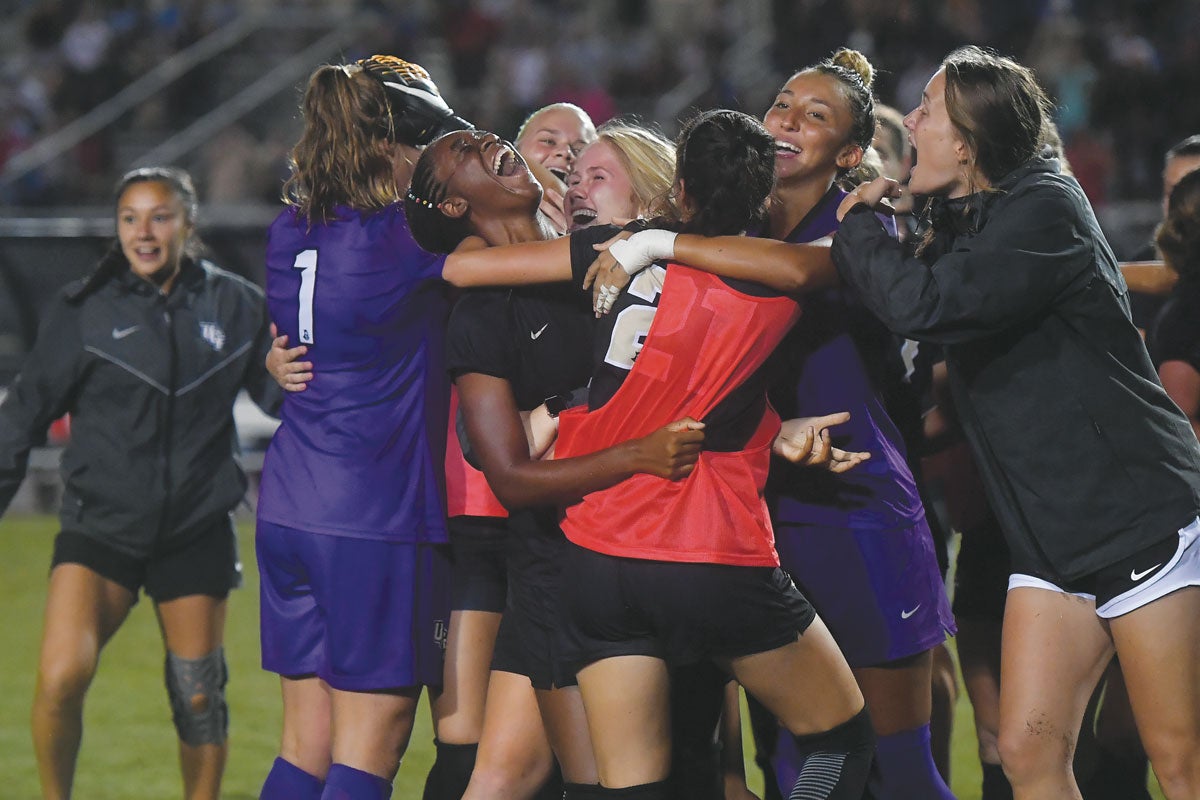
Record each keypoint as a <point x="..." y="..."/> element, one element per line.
<point x="556" y="404"/>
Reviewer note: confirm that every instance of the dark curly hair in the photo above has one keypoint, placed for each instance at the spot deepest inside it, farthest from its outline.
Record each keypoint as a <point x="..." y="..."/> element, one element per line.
<point x="726" y="161"/>
<point x="1178" y="236"/>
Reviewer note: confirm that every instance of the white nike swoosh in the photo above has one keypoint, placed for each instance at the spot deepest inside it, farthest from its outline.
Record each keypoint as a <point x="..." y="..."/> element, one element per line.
<point x="533" y="335"/>
<point x="121" y="333"/>
<point x="1134" y="575"/>
<point x="907" y="614"/>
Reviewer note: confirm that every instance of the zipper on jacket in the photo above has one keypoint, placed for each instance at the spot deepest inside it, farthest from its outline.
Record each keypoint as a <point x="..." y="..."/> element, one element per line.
<point x="169" y="418"/>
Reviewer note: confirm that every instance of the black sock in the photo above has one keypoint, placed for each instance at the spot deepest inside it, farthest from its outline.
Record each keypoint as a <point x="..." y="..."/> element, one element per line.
<point x="1117" y="777"/>
<point x="451" y="771"/>
<point x="995" y="783"/>
<point x="836" y="762"/>
<point x="553" y="788"/>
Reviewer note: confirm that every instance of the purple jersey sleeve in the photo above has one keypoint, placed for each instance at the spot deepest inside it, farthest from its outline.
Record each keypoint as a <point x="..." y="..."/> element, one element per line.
<point x="360" y="452"/>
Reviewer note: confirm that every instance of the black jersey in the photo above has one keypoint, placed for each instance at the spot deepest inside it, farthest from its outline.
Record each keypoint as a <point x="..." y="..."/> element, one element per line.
<point x="1175" y="334"/>
<point x="537" y="338"/>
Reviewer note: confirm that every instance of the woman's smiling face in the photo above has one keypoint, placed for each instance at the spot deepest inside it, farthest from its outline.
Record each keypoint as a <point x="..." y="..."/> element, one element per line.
<point x="599" y="189"/>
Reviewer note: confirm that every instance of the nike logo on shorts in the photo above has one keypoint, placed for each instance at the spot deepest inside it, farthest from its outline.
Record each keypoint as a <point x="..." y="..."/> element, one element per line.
<point x="538" y="332"/>
<point x="1134" y="575"/>
<point x="907" y="614"/>
<point x="121" y="333"/>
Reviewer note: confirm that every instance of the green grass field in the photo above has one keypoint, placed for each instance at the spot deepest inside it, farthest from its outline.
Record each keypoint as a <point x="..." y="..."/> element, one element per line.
<point x="129" y="750"/>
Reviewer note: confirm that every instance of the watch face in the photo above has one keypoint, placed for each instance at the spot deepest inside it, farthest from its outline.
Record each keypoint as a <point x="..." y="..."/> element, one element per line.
<point x="555" y="405"/>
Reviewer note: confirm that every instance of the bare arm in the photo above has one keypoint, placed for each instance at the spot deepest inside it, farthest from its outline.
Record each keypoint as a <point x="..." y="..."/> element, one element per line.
<point x="1149" y="277"/>
<point x="499" y="441"/>
<point x="476" y="264"/>
<point x="787" y="268"/>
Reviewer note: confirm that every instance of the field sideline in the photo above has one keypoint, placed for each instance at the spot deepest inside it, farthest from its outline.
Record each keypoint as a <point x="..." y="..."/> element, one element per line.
<point x="129" y="750"/>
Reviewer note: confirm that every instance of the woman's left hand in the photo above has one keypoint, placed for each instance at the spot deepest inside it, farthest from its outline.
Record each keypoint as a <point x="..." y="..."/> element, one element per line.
<point x="606" y="276"/>
<point x="284" y="363"/>
<point x="872" y="194"/>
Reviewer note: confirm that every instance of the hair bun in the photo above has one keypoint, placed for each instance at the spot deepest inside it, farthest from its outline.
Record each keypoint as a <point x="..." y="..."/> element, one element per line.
<point x="856" y="62"/>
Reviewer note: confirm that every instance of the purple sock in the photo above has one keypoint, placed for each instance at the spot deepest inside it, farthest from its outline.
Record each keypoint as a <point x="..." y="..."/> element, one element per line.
<point x="286" y="781"/>
<point x="348" y="783"/>
<point x="905" y="767"/>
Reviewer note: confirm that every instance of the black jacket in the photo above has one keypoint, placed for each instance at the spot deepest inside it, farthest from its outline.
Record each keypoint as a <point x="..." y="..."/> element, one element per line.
<point x="150" y="381"/>
<point x="1085" y="458"/>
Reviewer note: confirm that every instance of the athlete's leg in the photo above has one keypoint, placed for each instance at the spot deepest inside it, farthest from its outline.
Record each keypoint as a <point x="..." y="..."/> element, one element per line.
<point x="1053" y="651"/>
<point x="193" y="629"/>
<point x="371" y="729"/>
<point x="941" y="718"/>
<point x="628" y="717"/>
<point x="459" y="710"/>
<point x="979" y="656"/>
<point x="514" y="758"/>
<point x="900" y="697"/>
<point x="1121" y="766"/>
<point x="305" y="747"/>
<point x="1159" y="648"/>
<point x="566" y="726"/>
<point x="810" y="689"/>
<point x="83" y="611"/>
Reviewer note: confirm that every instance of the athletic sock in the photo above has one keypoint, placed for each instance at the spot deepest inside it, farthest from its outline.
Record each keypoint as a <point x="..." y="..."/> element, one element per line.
<point x="286" y="781"/>
<point x="1117" y="777"/>
<point x="995" y="783"/>
<point x="348" y="783"/>
<point x="836" y="762"/>
<point x="553" y="788"/>
<point x="451" y="771"/>
<point x="905" y="768"/>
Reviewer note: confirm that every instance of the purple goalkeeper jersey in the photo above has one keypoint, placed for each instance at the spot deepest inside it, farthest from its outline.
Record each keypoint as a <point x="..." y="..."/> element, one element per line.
<point x="360" y="452"/>
<point x="839" y="357"/>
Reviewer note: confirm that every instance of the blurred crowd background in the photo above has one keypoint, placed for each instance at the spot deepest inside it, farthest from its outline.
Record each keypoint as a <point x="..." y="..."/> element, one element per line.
<point x="1125" y="73"/>
<point x="91" y="89"/>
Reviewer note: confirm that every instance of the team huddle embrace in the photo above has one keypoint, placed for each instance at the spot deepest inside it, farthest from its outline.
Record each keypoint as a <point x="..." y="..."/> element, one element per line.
<point x="582" y="433"/>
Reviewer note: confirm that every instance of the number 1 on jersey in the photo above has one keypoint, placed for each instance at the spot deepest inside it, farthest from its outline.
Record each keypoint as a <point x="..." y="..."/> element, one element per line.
<point x="306" y="262"/>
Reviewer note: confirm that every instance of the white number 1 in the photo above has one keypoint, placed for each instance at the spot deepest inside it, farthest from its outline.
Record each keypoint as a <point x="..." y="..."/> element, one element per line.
<point x="306" y="262"/>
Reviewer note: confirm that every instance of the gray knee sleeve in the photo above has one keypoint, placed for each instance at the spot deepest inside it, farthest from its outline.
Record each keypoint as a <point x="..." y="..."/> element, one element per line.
<point x="196" y="687"/>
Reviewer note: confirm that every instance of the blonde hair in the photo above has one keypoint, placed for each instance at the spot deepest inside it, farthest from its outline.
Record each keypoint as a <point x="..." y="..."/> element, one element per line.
<point x="589" y="128"/>
<point x="344" y="156"/>
<point x="649" y="161"/>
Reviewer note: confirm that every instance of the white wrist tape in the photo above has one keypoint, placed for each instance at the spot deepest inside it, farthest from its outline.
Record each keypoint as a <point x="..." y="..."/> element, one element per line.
<point x="643" y="249"/>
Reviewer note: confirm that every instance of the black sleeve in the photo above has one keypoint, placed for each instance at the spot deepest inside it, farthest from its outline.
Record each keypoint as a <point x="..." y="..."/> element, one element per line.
<point x="479" y="337"/>
<point x="41" y="393"/>
<point x="582" y="252"/>
<point x="1025" y="255"/>
<point x="1175" y="335"/>
<point x="263" y="390"/>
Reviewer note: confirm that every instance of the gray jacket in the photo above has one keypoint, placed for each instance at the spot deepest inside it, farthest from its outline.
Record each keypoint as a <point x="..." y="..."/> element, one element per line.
<point x="150" y="381"/>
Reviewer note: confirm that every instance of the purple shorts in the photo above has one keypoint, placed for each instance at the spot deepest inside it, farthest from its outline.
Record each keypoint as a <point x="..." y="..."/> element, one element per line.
<point x="879" y="591"/>
<point x="361" y="614"/>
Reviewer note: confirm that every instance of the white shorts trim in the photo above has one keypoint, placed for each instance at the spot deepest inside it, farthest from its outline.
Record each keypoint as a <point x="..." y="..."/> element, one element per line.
<point x="1182" y="570"/>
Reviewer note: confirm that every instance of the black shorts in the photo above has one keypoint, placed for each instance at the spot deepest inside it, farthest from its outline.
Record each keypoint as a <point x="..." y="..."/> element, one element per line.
<point x="478" y="545"/>
<point x="681" y="613"/>
<point x="1128" y="573"/>
<point x="981" y="572"/>
<point x="530" y="640"/>
<point x="207" y="564"/>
